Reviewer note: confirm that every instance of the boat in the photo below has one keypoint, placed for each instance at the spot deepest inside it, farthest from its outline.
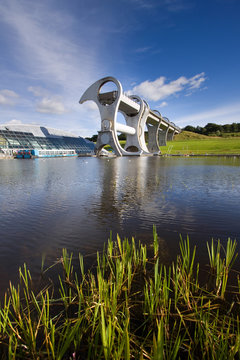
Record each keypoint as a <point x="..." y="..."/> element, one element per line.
<point x="35" y="153"/>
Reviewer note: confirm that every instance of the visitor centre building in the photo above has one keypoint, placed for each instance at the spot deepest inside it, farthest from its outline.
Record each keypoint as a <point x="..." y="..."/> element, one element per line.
<point x="41" y="140"/>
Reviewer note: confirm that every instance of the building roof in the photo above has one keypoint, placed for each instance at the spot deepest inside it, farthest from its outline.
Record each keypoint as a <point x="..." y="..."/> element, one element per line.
<point x="37" y="130"/>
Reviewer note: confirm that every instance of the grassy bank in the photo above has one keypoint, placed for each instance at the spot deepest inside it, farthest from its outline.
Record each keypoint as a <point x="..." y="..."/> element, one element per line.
<point x="128" y="307"/>
<point x="187" y="143"/>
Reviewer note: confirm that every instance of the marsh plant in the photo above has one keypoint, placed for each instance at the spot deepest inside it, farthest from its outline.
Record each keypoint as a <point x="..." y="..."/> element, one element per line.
<point x="129" y="306"/>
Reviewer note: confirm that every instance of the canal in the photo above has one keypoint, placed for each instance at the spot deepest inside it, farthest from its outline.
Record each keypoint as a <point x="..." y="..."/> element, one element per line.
<point x="50" y="204"/>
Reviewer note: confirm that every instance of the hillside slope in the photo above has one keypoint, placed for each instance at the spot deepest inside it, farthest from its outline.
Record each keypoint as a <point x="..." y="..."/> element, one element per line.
<point x="188" y="135"/>
<point x="189" y="143"/>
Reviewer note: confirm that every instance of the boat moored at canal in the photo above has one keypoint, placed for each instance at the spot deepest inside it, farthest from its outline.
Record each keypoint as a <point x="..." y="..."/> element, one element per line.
<point x="35" y="153"/>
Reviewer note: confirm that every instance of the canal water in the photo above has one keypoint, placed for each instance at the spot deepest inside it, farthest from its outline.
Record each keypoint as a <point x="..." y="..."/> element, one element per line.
<point x="50" y="204"/>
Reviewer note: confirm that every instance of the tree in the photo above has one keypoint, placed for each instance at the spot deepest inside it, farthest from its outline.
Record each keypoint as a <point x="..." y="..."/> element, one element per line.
<point x="189" y="128"/>
<point x="122" y="136"/>
<point x="227" y="128"/>
<point x="212" y="128"/>
<point x="93" y="138"/>
<point x="200" y="130"/>
<point x="234" y="127"/>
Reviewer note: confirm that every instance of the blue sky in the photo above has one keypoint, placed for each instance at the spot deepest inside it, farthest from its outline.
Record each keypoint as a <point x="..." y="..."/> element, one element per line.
<point x="181" y="56"/>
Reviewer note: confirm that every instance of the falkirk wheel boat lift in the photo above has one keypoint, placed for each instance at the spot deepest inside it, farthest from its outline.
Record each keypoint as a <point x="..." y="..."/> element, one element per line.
<point x="137" y="115"/>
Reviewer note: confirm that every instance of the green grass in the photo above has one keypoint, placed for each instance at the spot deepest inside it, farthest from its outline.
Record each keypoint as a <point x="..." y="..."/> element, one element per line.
<point x="127" y="307"/>
<point x="234" y="134"/>
<point x="108" y="147"/>
<point x="188" y="143"/>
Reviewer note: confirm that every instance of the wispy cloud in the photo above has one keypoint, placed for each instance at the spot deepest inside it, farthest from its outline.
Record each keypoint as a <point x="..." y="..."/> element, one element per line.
<point x="145" y="4"/>
<point x="143" y="49"/>
<point x="220" y="115"/>
<point x="15" y="122"/>
<point x="196" y="81"/>
<point x="163" y="104"/>
<point x="38" y="91"/>
<point x="149" y="50"/>
<point x="177" y="5"/>
<point x="8" y="97"/>
<point x="51" y="106"/>
<point x="169" y="5"/>
<point x="43" y="45"/>
<point x="58" y="52"/>
<point x="160" y="89"/>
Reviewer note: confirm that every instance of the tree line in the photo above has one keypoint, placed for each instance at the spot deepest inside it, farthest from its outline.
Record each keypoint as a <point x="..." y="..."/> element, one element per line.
<point x="214" y="129"/>
<point x="210" y="129"/>
<point x="94" y="137"/>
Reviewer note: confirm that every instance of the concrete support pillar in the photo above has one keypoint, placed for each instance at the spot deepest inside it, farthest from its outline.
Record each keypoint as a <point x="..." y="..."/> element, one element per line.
<point x="135" y="142"/>
<point x="141" y="128"/>
<point x="152" y="138"/>
<point x="162" y="137"/>
<point x="107" y="138"/>
<point x="170" y="135"/>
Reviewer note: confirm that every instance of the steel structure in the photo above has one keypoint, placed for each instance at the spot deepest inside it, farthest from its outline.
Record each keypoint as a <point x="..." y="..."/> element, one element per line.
<point x="138" y="117"/>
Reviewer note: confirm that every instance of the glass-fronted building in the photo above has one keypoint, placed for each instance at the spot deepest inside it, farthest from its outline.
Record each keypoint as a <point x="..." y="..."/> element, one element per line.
<point x="29" y="137"/>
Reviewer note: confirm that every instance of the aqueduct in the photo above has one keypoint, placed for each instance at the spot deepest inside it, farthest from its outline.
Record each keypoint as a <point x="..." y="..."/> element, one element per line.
<point x="138" y="116"/>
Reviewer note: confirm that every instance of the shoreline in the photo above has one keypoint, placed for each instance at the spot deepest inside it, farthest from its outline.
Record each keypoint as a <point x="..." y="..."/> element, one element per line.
<point x="8" y="157"/>
<point x="203" y="155"/>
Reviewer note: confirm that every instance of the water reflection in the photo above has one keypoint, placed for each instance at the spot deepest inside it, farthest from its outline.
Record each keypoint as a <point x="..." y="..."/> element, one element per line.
<point x="46" y="205"/>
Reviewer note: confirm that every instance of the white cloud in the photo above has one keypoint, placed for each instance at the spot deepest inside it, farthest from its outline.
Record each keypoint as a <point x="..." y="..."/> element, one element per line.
<point x="45" y="48"/>
<point x="196" y="81"/>
<point x="38" y="91"/>
<point x="89" y="113"/>
<point x="8" y="97"/>
<point x="55" y="54"/>
<point x="9" y="93"/>
<point x="15" y="122"/>
<point x="220" y="115"/>
<point x="90" y="106"/>
<point x="163" y="104"/>
<point x="160" y="89"/>
<point x="50" y="106"/>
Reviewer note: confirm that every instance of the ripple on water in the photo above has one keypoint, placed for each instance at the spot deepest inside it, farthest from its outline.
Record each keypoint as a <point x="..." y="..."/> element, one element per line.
<point x="55" y="203"/>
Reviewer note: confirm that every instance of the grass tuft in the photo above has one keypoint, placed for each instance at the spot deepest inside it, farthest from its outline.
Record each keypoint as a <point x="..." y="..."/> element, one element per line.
<point x="129" y="307"/>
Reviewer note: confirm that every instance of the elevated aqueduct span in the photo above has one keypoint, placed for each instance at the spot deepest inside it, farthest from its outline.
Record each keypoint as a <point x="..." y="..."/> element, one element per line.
<point x="137" y="115"/>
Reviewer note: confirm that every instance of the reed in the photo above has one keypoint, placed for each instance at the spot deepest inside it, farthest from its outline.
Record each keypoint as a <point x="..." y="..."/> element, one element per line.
<point x="130" y="306"/>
